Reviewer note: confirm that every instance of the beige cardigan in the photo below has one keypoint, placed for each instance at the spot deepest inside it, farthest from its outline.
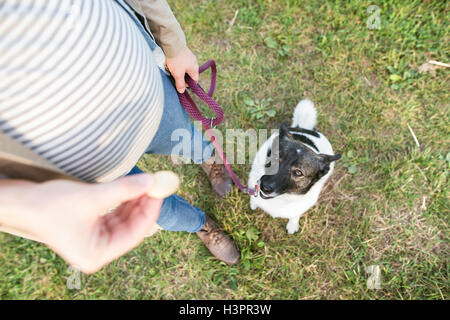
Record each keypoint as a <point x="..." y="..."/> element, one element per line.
<point x="162" y="24"/>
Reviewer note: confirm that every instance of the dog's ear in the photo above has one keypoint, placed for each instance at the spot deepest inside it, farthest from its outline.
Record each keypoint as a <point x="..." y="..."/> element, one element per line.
<point x="326" y="159"/>
<point x="284" y="130"/>
<point x="331" y="158"/>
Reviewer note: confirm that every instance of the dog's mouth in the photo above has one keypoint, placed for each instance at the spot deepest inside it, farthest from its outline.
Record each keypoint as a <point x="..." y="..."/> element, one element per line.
<point x="261" y="193"/>
<point x="265" y="196"/>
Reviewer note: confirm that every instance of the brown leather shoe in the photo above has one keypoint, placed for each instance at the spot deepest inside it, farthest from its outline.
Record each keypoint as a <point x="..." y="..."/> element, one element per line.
<point x="218" y="243"/>
<point x="218" y="175"/>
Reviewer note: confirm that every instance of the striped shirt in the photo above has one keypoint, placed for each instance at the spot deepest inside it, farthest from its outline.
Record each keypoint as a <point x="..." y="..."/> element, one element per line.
<point x="78" y="85"/>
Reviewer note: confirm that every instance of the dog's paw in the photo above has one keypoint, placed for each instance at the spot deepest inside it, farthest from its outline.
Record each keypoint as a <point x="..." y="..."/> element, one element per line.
<point x="253" y="205"/>
<point x="292" y="228"/>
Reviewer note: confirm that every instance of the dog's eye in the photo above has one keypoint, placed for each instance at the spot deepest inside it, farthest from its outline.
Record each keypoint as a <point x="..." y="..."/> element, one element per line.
<point x="298" y="173"/>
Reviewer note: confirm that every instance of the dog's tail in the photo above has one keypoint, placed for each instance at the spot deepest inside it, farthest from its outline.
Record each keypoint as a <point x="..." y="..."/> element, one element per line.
<point x="305" y="115"/>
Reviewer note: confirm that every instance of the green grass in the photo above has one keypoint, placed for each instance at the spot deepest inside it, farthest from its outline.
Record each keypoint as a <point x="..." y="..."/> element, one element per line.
<point x="387" y="203"/>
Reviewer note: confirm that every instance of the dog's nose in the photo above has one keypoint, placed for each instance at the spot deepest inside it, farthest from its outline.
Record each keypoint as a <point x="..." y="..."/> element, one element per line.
<point x="267" y="188"/>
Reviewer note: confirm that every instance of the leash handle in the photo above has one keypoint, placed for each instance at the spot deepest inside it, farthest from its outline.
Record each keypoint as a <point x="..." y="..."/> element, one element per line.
<point x="190" y="105"/>
<point x="209" y="64"/>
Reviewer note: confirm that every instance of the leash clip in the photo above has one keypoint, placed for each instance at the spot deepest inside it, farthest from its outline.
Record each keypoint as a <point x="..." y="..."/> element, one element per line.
<point x="256" y="192"/>
<point x="251" y="192"/>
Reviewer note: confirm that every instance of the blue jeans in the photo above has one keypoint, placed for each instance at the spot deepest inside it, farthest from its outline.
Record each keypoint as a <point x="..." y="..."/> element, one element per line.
<point x="176" y="213"/>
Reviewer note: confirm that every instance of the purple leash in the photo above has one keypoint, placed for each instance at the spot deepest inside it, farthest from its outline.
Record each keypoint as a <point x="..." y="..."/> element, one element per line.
<point x="191" y="108"/>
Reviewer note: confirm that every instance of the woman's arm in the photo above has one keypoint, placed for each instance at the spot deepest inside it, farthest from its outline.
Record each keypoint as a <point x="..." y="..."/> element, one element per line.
<point x="164" y="26"/>
<point x="69" y="216"/>
<point x="170" y="37"/>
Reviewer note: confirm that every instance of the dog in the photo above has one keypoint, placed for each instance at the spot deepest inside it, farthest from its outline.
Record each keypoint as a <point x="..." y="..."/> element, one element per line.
<point x="304" y="159"/>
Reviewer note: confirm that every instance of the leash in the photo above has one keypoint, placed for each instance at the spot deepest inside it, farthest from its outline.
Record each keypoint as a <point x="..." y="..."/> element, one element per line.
<point x="191" y="108"/>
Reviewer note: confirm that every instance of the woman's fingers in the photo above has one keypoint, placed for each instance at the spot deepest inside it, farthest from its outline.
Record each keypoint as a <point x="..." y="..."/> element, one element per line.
<point x="193" y="72"/>
<point x="184" y="62"/>
<point x="180" y="84"/>
<point x="129" y="227"/>
<point x="117" y="233"/>
<point x="111" y="194"/>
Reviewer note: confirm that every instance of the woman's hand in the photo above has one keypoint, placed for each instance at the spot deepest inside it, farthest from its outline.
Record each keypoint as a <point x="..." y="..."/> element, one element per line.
<point x="69" y="216"/>
<point x="184" y="62"/>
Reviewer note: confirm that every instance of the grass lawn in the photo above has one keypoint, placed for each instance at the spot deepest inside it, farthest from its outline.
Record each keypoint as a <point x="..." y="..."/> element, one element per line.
<point x="386" y="205"/>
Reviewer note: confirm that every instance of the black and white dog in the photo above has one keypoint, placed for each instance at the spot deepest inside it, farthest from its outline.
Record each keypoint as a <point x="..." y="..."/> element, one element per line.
<point x="304" y="159"/>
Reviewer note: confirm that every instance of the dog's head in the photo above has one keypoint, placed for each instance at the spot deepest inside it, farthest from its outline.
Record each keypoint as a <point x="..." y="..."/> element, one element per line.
<point x="299" y="167"/>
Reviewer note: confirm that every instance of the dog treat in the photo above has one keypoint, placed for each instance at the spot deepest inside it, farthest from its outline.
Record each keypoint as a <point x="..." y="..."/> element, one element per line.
<point x="165" y="183"/>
